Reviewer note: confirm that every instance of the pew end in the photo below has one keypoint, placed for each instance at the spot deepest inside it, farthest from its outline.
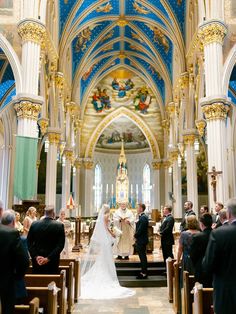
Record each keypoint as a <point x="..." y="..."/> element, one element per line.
<point x="31" y="308"/>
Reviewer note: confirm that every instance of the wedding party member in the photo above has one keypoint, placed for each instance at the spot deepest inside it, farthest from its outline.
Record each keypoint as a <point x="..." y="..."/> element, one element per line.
<point x="67" y="227"/>
<point x="124" y="220"/>
<point x="29" y="218"/>
<point x="13" y="262"/>
<point x="98" y="273"/>
<point x="46" y="240"/>
<point x="141" y="236"/>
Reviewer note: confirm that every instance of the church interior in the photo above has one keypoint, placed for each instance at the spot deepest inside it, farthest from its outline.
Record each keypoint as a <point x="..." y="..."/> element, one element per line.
<point x="118" y="101"/>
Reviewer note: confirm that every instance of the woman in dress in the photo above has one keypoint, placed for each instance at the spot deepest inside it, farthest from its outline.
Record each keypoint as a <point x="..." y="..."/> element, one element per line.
<point x="98" y="273"/>
<point x="67" y="227"/>
<point x="29" y="218"/>
<point x="18" y="224"/>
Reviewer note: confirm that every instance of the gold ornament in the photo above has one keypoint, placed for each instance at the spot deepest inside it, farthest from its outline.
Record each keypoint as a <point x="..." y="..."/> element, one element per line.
<point x="184" y="80"/>
<point x="38" y="164"/>
<point x="43" y="123"/>
<point x="171" y="108"/>
<point x="59" y="80"/>
<point x="54" y="138"/>
<point x="27" y="109"/>
<point x="213" y="32"/>
<point x="156" y="165"/>
<point x="88" y="164"/>
<point x="173" y="154"/>
<point x="78" y="163"/>
<point x="189" y="139"/>
<point x="32" y="31"/>
<point x="72" y="108"/>
<point x="166" y="164"/>
<point x="122" y="22"/>
<point x="200" y="124"/>
<point x="216" y="111"/>
<point x="69" y="155"/>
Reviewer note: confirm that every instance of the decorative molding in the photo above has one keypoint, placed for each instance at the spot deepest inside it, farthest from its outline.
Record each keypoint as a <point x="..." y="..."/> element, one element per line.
<point x="213" y="31"/>
<point x="32" y="30"/>
<point x="215" y="111"/>
<point x="43" y="123"/>
<point x="25" y="109"/>
<point x="200" y="124"/>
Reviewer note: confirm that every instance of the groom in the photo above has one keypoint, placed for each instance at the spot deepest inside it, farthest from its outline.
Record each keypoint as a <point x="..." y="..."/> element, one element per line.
<point x="141" y="237"/>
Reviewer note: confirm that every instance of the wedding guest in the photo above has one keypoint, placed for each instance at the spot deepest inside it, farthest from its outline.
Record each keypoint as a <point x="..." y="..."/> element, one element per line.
<point x="204" y="209"/>
<point x="188" y="207"/>
<point x="67" y="227"/>
<point x="18" y="224"/>
<point x="124" y="220"/>
<point x="29" y="218"/>
<point x="141" y="237"/>
<point x="223" y="217"/>
<point x="216" y="218"/>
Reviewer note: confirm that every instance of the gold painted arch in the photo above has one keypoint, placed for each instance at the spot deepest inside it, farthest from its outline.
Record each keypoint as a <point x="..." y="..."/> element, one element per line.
<point x="122" y="111"/>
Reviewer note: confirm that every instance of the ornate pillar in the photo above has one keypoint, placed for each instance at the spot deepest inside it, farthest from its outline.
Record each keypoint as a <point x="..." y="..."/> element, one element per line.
<point x="86" y="188"/>
<point x="184" y="84"/>
<point x="191" y="162"/>
<point x="177" y="183"/>
<point x="76" y="181"/>
<point x="51" y="171"/>
<point x="215" y="106"/>
<point x="156" y="202"/>
<point x="168" y="181"/>
<point x="66" y="177"/>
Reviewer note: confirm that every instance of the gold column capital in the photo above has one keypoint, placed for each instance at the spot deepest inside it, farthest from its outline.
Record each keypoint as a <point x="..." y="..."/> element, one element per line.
<point x="72" y="108"/>
<point x="200" y="124"/>
<point x="216" y="111"/>
<point x="59" y="80"/>
<point x="212" y="31"/>
<point x="43" y="123"/>
<point x="69" y="155"/>
<point x="78" y="163"/>
<point x="156" y="164"/>
<point x="166" y="163"/>
<point x="27" y="109"/>
<point x="54" y="137"/>
<point x="173" y="154"/>
<point x="171" y="108"/>
<point x="189" y="138"/>
<point x="32" y="30"/>
<point x="88" y="164"/>
<point x="184" y="80"/>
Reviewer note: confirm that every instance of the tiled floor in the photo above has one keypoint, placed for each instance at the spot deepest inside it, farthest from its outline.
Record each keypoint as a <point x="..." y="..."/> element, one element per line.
<point x="146" y="301"/>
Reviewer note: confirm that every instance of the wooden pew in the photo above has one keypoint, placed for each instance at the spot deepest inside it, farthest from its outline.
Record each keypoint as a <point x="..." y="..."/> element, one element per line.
<point x="203" y="300"/>
<point x="32" y="280"/>
<point x="176" y="288"/>
<point x="32" y="308"/>
<point x="170" y="276"/>
<point x="76" y="274"/>
<point x="47" y="296"/>
<point x="188" y="284"/>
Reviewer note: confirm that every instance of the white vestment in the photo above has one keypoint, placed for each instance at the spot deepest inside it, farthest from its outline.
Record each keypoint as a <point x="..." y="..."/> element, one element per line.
<point x="124" y="245"/>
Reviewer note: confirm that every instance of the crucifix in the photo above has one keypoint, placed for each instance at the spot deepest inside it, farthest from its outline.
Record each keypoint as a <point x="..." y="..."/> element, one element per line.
<point x="213" y="173"/>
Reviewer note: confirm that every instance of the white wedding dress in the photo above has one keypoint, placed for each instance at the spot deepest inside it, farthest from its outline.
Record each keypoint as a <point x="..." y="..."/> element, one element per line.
<point x="98" y="272"/>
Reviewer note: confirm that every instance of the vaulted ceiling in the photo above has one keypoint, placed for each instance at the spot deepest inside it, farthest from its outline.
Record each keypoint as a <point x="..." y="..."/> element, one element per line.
<point x="139" y="35"/>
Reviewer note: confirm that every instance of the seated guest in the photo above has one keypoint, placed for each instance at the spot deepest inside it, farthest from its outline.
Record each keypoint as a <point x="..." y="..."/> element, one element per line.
<point x="198" y="249"/>
<point x="223" y="217"/>
<point x="185" y="241"/>
<point x="220" y="260"/>
<point x="204" y="210"/>
<point x="46" y="240"/>
<point x="14" y="262"/>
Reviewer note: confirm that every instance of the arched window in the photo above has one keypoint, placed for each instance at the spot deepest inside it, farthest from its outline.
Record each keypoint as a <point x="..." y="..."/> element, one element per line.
<point x="146" y="188"/>
<point x="98" y="187"/>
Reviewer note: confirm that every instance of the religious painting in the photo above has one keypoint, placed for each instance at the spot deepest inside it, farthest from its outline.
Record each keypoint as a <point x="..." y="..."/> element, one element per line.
<point x="142" y="100"/>
<point x="122" y="86"/>
<point x="83" y="37"/>
<point x="101" y="100"/>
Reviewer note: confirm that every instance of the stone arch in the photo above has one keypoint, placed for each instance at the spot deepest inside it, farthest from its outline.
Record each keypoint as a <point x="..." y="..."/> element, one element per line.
<point x="228" y="68"/>
<point x="13" y="60"/>
<point x="122" y="111"/>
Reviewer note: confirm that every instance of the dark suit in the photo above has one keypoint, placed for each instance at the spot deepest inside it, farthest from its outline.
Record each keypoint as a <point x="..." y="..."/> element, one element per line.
<point x="220" y="260"/>
<point x="216" y="220"/>
<point x="197" y="252"/>
<point x="13" y="265"/>
<point x="141" y="236"/>
<point x="183" y="223"/>
<point x="167" y="238"/>
<point x="46" y="238"/>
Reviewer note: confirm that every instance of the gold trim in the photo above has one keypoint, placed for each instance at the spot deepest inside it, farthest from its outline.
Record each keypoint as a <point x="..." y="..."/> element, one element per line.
<point x="59" y="80"/>
<point x="54" y="138"/>
<point x="88" y="164"/>
<point x="216" y="111"/>
<point x="28" y="110"/>
<point x="189" y="139"/>
<point x="72" y="108"/>
<point x="38" y="164"/>
<point x="78" y="164"/>
<point x="173" y="155"/>
<point x="166" y="164"/>
<point x="156" y="165"/>
<point x="69" y="155"/>
<point x="122" y="22"/>
<point x="200" y="124"/>
<point x="32" y="31"/>
<point x="213" y="32"/>
<point x="43" y="123"/>
<point x="171" y="108"/>
<point x="184" y="80"/>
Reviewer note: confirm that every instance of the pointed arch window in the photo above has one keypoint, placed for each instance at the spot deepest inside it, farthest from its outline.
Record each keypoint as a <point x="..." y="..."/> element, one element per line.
<point x="98" y="187"/>
<point x="146" y="185"/>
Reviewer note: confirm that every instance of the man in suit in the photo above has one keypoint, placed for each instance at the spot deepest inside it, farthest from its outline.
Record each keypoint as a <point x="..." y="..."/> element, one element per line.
<point x="198" y="249"/>
<point x="46" y="239"/>
<point x="141" y="237"/>
<point x="220" y="260"/>
<point x="166" y="232"/>
<point x="216" y="219"/>
<point x="188" y="206"/>
<point x="13" y="263"/>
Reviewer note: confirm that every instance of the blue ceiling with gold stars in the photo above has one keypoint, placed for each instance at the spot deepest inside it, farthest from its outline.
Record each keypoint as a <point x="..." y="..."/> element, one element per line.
<point x="137" y="33"/>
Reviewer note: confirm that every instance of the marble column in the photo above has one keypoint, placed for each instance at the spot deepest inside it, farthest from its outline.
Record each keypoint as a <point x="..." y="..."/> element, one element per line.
<point x="191" y="163"/>
<point x="86" y="187"/>
<point x="156" y="201"/>
<point x="215" y="107"/>
<point x="66" y="178"/>
<point x="51" y="171"/>
<point x="168" y="181"/>
<point x="76" y="181"/>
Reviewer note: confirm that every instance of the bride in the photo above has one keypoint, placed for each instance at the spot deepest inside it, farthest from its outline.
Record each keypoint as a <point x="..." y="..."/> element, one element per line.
<point x="98" y="272"/>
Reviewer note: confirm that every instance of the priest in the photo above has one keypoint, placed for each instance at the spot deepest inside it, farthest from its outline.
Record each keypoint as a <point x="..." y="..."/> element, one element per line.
<point x="124" y="220"/>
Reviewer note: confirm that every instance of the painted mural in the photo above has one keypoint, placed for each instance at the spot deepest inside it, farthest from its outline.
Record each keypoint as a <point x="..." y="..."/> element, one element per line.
<point x="122" y="129"/>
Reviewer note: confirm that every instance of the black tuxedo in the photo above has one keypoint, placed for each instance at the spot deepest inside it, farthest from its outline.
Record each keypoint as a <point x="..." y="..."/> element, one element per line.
<point x="13" y="264"/>
<point x="216" y="220"/>
<point x="46" y="238"/>
<point x="141" y="236"/>
<point x="183" y="223"/>
<point x="220" y="260"/>
<point x="167" y="238"/>
<point x="197" y="252"/>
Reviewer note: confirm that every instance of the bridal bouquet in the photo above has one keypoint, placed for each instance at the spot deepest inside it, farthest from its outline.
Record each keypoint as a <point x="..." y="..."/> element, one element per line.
<point x="117" y="231"/>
